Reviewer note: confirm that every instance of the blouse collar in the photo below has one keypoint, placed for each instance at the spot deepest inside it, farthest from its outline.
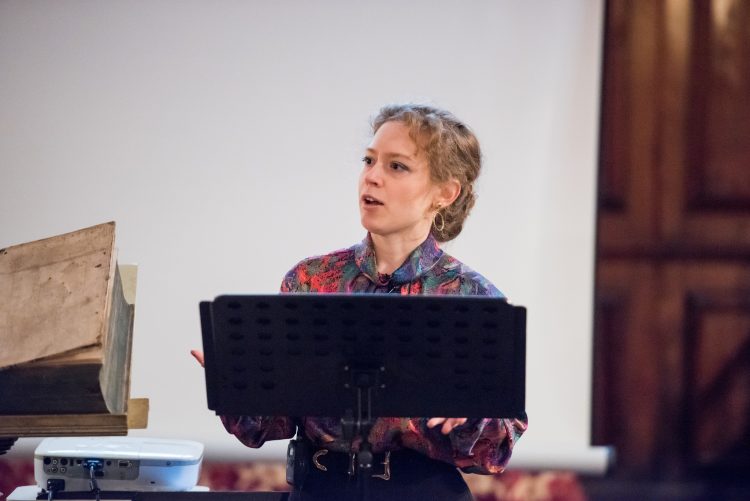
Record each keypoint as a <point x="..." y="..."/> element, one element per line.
<point x="422" y="259"/>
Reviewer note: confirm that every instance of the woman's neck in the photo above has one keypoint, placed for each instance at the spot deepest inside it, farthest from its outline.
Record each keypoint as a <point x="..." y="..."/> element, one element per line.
<point x="392" y="250"/>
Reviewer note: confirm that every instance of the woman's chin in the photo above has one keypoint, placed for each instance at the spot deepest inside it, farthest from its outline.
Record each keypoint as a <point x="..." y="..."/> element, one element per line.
<point x="371" y="228"/>
<point x="367" y="223"/>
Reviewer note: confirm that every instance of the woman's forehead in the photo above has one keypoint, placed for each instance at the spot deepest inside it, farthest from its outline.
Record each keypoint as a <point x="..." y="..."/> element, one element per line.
<point x="394" y="138"/>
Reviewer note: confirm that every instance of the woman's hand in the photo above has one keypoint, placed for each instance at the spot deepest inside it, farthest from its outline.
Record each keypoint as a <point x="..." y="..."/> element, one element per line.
<point x="198" y="355"/>
<point x="448" y="423"/>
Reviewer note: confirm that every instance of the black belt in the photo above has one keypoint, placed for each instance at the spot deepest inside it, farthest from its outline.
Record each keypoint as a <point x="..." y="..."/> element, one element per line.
<point x="325" y="460"/>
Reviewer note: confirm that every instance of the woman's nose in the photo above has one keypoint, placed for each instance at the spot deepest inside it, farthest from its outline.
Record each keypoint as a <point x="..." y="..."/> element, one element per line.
<point x="373" y="174"/>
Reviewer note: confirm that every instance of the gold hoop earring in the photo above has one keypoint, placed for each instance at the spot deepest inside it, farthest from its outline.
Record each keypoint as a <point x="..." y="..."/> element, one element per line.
<point x="441" y="227"/>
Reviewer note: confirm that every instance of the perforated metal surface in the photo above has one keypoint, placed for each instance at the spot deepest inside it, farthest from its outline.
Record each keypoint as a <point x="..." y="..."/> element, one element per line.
<point x="296" y="354"/>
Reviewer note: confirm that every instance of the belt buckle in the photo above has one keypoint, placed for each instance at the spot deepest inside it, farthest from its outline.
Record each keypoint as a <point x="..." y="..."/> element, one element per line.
<point x="316" y="456"/>
<point x="386" y="475"/>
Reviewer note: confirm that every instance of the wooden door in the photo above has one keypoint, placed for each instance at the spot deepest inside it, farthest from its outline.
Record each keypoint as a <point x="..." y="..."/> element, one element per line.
<point x="672" y="328"/>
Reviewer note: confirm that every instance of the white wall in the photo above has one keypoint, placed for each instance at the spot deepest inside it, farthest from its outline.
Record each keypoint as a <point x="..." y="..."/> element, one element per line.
<point x="224" y="137"/>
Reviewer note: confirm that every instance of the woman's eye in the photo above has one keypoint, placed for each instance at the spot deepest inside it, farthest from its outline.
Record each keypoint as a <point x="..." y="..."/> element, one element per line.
<point x="399" y="166"/>
<point x="367" y="160"/>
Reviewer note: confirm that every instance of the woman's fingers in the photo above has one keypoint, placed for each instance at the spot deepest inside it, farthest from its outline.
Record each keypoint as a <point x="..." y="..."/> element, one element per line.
<point x="448" y="423"/>
<point x="433" y="422"/>
<point x="451" y="423"/>
<point x="198" y="355"/>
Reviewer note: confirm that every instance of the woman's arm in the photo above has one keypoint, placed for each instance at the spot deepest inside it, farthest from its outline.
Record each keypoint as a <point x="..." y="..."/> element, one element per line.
<point x="487" y="447"/>
<point x="477" y="446"/>
<point x="254" y="431"/>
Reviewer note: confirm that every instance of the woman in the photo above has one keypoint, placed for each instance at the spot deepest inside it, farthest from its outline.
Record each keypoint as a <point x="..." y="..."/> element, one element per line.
<point x="415" y="190"/>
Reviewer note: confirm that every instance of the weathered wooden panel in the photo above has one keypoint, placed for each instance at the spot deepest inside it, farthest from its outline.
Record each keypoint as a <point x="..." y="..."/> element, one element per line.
<point x="65" y="327"/>
<point x="627" y="187"/>
<point x="55" y="294"/>
<point x="615" y="133"/>
<point x="717" y="373"/>
<point x="685" y="356"/>
<point x="53" y="425"/>
<point x="719" y="115"/>
<point x="704" y="129"/>
<point x="627" y="364"/>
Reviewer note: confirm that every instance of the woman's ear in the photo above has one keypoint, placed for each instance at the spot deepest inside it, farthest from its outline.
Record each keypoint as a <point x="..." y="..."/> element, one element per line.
<point x="448" y="192"/>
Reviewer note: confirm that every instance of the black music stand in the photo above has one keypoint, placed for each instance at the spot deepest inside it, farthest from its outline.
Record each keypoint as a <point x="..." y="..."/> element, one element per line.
<point x="363" y="356"/>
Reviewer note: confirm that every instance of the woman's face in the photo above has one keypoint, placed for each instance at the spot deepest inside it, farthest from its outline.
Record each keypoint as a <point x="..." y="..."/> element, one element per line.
<point x="396" y="194"/>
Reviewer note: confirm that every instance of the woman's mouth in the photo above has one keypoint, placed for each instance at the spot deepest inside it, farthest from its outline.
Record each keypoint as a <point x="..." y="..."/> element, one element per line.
<point x="371" y="201"/>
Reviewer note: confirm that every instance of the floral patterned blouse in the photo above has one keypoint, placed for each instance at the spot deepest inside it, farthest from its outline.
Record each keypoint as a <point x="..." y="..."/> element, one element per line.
<point x="478" y="446"/>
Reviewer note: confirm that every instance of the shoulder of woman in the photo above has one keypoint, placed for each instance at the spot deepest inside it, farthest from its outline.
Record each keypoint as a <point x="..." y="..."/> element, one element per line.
<point x="297" y="279"/>
<point x="319" y="263"/>
<point x="471" y="281"/>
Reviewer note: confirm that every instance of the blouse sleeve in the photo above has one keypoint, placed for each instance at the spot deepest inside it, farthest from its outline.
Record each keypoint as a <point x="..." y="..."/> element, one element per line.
<point x="296" y="280"/>
<point x="254" y="431"/>
<point x="478" y="446"/>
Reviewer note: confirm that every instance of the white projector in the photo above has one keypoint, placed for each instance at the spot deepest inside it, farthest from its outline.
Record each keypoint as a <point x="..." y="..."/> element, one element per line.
<point x="118" y="463"/>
